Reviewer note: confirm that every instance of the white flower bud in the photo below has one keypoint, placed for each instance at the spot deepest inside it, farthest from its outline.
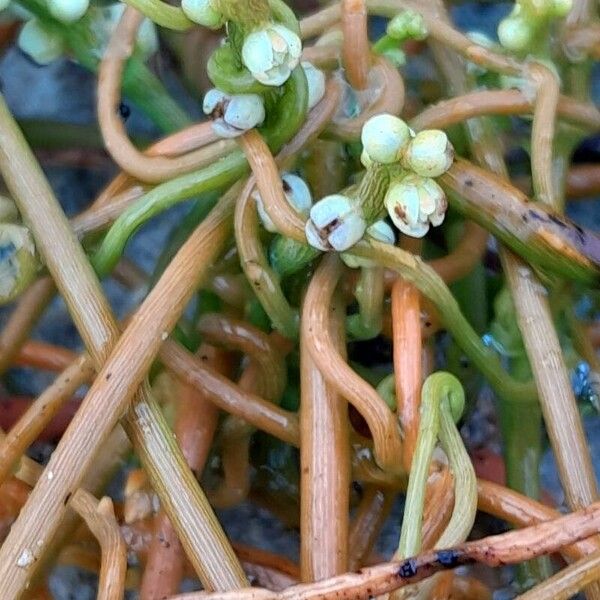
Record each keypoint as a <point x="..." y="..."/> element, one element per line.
<point x="315" y="79"/>
<point x="68" y="11"/>
<point x="296" y="193"/>
<point x="336" y="222"/>
<point x="379" y="231"/>
<point x="233" y="115"/>
<point x="414" y="203"/>
<point x="385" y="138"/>
<point x="515" y="33"/>
<point x="271" y="54"/>
<point x="20" y="13"/>
<point x="202" y="12"/>
<point x="40" y="43"/>
<point x="430" y="154"/>
<point x="18" y="261"/>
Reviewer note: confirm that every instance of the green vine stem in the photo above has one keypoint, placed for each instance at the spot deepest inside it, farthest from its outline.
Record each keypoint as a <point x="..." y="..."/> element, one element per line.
<point x="366" y="324"/>
<point x="465" y="481"/>
<point x="170" y="17"/>
<point x="439" y="389"/>
<point x="428" y="282"/>
<point x="288" y="118"/>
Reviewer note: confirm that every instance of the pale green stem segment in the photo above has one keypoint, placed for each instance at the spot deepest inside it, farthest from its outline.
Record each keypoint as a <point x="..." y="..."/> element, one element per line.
<point x="366" y="324"/>
<point x="288" y="117"/>
<point x="440" y="389"/>
<point x="170" y="17"/>
<point x="465" y="482"/>
<point x="387" y="390"/>
<point x="430" y="284"/>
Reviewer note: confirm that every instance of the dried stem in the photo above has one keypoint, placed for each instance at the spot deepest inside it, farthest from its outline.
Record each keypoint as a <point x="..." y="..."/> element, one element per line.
<point x="371" y="514"/>
<point x="324" y="459"/>
<point x="100" y="518"/>
<point x="338" y="374"/>
<point x="118" y="380"/>
<point x="508" y="548"/>
<point x="38" y="415"/>
<point x="22" y="319"/>
<point x="542" y="135"/>
<point x="568" y="582"/>
<point x="195" y="426"/>
<point x="356" y="48"/>
<point x="552" y="380"/>
<point x="482" y="103"/>
<point x="406" y="322"/>
<point x="151" y="169"/>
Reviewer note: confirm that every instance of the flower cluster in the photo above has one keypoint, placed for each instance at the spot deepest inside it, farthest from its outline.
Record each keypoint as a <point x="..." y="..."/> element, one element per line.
<point x="203" y="12"/>
<point x="414" y="201"/>
<point x="270" y="51"/>
<point x="336" y="223"/>
<point x="19" y="264"/>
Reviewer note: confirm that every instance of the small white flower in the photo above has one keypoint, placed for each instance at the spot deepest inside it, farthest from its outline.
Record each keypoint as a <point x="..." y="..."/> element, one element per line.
<point x="203" y="12"/>
<point x="316" y="83"/>
<point x="429" y="154"/>
<point x="68" y="11"/>
<point x="297" y="194"/>
<point x="379" y="231"/>
<point x="233" y="115"/>
<point x="4" y="4"/>
<point x="414" y="203"/>
<point x="336" y="222"/>
<point x="385" y="138"/>
<point x="40" y="43"/>
<point x="271" y="54"/>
